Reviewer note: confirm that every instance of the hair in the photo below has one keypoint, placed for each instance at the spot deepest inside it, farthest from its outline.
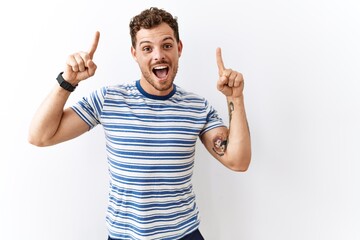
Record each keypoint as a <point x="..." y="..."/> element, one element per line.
<point x="151" y="18"/>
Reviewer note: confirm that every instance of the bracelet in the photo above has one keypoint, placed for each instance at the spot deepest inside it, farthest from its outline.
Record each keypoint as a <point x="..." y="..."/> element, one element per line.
<point x="65" y="84"/>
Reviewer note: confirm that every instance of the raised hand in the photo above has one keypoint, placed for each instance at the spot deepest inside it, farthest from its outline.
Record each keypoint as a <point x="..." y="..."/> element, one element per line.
<point x="230" y="83"/>
<point x="80" y="65"/>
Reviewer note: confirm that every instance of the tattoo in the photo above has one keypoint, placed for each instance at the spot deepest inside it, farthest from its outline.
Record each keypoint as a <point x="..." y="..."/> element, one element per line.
<point x="231" y="109"/>
<point x="220" y="145"/>
<point x="247" y="125"/>
<point x="221" y="142"/>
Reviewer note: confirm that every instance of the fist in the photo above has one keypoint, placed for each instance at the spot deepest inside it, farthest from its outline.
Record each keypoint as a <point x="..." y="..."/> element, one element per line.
<point x="80" y="65"/>
<point x="230" y="83"/>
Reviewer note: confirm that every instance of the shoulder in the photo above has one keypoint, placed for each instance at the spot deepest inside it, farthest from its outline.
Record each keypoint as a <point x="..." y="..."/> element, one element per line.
<point x="188" y="95"/>
<point x="122" y="89"/>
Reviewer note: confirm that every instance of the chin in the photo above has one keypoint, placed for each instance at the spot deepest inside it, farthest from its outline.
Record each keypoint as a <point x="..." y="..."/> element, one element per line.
<point x="163" y="85"/>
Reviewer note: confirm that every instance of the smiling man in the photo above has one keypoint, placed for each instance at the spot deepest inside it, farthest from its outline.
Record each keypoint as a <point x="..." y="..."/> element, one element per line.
<point x="157" y="52"/>
<point x="151" y="127"/>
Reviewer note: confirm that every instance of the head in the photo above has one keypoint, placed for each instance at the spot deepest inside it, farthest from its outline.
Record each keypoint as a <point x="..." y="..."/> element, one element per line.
<point x="150" y="18"/>
<point x="156" y="47"/>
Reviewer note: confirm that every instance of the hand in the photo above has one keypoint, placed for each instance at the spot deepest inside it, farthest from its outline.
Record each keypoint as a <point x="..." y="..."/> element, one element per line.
<point x="80" y="66"/>
<point x="230" y="83"/>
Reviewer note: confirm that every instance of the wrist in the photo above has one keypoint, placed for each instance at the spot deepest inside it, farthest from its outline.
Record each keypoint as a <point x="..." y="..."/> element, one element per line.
<point x="237" y="99"/>
<point x="65" y="84"/>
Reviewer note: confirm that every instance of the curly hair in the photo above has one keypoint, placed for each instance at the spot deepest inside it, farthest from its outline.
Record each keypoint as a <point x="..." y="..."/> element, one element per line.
<point x="150" y="18"/>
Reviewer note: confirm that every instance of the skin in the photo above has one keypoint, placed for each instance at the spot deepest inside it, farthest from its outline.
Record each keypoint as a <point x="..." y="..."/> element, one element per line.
<point x="155" y="48"/>
<point x="236" y="154"/>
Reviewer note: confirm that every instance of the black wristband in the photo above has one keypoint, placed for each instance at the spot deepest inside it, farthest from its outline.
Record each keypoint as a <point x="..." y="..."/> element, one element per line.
<point x="64" y="84"/>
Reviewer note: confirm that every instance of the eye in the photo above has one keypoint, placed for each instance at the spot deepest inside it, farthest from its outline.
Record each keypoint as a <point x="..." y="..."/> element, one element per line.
<point x="167" y="46"/>
<point x="146" y="49"/>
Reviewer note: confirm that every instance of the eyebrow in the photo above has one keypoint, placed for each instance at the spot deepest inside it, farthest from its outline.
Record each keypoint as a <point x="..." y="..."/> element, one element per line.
<point x="166" y="38"/>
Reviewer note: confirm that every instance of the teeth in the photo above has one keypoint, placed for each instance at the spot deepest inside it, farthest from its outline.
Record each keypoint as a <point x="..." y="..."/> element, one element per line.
<point x="160" y="67"/>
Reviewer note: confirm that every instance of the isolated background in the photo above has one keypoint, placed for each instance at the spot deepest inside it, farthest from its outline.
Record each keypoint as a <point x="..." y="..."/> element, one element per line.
<point x="301" y="63"/>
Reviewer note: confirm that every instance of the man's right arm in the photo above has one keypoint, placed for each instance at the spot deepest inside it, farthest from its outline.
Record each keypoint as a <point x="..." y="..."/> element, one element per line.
<point x="52" y="124"/>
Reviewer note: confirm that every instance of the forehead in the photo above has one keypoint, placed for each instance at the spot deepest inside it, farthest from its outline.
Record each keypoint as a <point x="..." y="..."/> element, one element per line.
<point x="157" y="34"/>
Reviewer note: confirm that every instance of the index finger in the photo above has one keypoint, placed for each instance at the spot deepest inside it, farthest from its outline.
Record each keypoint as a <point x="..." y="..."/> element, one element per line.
<point x="94" y="44"/>
<point x="219" y="61"/>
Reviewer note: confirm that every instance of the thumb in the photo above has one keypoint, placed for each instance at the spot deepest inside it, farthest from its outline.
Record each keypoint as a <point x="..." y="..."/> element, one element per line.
<point x="91" y="68"/>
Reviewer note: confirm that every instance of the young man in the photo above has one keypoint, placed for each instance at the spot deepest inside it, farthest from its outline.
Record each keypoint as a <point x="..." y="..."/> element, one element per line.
<point x="151" y="127"/>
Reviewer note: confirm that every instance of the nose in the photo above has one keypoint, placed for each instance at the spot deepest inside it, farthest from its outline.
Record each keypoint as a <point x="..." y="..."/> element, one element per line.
<point x="158" y="54"/>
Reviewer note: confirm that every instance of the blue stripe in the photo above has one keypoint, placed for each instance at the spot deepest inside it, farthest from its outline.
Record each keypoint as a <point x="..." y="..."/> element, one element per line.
<point x="150" y="194"/>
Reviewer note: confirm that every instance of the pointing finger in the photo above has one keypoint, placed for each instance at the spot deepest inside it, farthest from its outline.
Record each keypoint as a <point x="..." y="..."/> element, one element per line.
<point x="219" y="61"/>
<point x="94" y="44"/>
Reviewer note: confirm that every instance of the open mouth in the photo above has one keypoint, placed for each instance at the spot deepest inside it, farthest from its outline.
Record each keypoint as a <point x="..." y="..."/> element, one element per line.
<point x="161" y="71"/>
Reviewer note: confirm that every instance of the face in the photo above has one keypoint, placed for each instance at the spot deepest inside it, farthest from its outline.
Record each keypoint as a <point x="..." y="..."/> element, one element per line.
<point x="157" y="54"/>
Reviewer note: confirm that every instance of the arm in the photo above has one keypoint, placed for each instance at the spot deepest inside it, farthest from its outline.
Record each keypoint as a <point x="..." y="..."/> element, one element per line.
<point x="52" y="124"/>
<point x="231" y="146"/>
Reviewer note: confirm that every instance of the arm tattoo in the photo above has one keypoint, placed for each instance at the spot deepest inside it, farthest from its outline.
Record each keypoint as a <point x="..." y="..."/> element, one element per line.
<point x="220" y="145"/>
<point x="231" y="109"/>
<point x="221" y="142"/>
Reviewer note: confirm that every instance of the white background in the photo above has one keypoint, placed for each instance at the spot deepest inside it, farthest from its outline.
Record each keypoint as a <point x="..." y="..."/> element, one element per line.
<point x="301" y="63"/>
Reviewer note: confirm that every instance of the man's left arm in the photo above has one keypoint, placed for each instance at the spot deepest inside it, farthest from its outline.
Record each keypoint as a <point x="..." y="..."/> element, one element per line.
<point x="231" y="146"/>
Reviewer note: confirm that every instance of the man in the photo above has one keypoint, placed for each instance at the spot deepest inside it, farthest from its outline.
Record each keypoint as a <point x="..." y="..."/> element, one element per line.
<point x="151" y="127"/>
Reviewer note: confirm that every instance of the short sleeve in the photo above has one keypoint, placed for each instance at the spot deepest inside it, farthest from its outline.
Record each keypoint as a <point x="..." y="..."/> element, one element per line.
<point x="213" y="120"/>
<point x="90" y="108"/>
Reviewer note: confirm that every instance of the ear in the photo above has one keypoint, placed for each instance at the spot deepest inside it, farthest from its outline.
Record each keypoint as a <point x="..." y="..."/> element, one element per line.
<point x="180" y="47"/>
<point x="133" y="53"/>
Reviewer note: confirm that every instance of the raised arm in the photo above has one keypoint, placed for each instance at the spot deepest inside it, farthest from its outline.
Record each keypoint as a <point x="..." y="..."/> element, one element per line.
<point x="231" y="146"/>
<point x="52" y="123"/>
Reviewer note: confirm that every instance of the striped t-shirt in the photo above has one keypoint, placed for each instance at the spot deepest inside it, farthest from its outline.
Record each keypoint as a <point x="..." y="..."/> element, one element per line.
<point x="150" y="142"/>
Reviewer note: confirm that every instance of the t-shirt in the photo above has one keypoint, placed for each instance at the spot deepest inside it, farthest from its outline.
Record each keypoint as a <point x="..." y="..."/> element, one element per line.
<point x="150" y="143"/>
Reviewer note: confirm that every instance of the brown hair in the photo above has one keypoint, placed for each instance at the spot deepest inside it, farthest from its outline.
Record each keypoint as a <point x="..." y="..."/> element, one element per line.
<point x="150" y="18"/>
